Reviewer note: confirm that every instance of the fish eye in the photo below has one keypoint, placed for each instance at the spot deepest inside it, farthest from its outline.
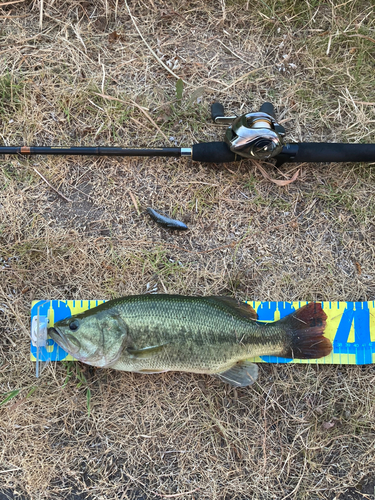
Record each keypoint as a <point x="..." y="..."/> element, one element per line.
<point x="74" y="325"/>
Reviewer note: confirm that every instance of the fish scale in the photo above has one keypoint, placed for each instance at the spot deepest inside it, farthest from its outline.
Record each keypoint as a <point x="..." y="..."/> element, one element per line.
<point x="211" y="338"/>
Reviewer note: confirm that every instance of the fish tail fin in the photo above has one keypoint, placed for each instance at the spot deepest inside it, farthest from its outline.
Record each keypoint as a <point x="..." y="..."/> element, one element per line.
<point x="305" y="328"/>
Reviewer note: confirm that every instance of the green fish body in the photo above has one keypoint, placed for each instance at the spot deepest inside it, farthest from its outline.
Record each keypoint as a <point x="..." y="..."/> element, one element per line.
<point x="212" y="335"/>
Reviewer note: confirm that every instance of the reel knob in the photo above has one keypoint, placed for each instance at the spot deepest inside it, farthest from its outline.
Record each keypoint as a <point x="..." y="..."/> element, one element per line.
<point x="255" y="135"/>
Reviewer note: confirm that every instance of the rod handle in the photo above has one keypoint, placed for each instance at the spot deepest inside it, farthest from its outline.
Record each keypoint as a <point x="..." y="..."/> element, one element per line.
<point x="213" y="152"/>
<point x="334" y="152"/>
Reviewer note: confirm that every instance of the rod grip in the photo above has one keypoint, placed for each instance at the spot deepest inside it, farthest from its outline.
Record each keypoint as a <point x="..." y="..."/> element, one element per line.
<point x="334" y="152"/>
<point x="213" y="152"/>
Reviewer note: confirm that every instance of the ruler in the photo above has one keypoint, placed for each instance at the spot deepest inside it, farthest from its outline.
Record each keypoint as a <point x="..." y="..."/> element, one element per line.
<point x="350" y="327"/>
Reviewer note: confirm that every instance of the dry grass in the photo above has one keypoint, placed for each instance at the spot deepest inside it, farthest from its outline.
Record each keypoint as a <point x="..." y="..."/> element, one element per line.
<point x="176" y="435"/>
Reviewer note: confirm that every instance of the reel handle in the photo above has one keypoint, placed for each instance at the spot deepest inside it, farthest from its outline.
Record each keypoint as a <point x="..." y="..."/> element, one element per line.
<point x="217" y="114"/>
<point x="217" y="110"/>
<point x="267" y="107"/>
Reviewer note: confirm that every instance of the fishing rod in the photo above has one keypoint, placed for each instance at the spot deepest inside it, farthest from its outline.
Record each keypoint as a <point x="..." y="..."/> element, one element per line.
<point x="252" y="135"/>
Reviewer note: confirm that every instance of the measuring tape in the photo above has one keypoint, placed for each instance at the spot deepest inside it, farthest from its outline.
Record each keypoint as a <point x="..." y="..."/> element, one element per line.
<point x="350" y="327"/>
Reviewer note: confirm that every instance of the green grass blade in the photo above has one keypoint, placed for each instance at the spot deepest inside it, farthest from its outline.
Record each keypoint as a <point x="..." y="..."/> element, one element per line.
<point x="179" y="89"/>
<point x="88" y="398"/>
<point x="10" y="395"/>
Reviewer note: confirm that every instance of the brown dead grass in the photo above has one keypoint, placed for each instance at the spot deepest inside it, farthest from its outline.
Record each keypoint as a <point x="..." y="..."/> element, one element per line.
<point x="303" y="432"/>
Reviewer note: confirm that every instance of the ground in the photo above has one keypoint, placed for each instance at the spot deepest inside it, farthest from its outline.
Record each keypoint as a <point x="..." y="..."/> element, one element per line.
<point x="304" y="432"/>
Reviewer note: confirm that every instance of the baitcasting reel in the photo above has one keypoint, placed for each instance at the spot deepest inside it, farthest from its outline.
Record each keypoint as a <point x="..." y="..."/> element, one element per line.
<point x="253" y="135"/>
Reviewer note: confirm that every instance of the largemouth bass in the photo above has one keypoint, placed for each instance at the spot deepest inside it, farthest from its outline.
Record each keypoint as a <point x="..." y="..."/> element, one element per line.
<point x="212" y="335"/>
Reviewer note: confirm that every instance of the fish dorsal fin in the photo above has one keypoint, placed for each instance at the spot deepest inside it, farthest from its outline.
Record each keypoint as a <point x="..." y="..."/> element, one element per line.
<point x="241" y="374"/>
<point x="145" y="352"/>
<point x="242" y="308"/>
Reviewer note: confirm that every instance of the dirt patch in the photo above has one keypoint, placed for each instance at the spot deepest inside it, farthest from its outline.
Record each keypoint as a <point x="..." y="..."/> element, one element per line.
<point x="365" y="489"/>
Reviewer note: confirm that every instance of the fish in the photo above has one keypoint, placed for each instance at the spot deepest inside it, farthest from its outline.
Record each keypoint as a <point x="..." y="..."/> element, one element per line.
<point x="167" y="222"/>
<point x="213" y="335"/>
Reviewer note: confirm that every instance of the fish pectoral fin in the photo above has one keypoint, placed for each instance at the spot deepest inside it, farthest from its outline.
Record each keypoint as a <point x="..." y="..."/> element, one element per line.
<point x="241" y="374"/>
<point x="146" y="352"/>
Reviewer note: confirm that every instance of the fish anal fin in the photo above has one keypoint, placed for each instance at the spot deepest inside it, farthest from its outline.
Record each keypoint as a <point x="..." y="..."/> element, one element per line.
<point x="242" y="374"/>
<point x="242" y="308"/>
<point x="146" y="352"/>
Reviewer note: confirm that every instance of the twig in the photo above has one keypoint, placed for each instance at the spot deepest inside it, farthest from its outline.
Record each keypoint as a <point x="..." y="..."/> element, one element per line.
<point x="245" y="76"/>
<point x="140" y="124"/>
<point x="41" y="15"/>
<point x="298" y="484"/>
<point x="361" y="102"/>
<point x="11" y="17"/>
<point x="232" y="52"/>
<point x="134" y="201"/>
<point x="175" y="495"/>
<point x="50" y="185"/>
<point x="329" y="45"/>
<point x="3" y="366"/>
<point x="103" y="79"/>
<point x="9" y="3"/>
<point x="364" y="36"/>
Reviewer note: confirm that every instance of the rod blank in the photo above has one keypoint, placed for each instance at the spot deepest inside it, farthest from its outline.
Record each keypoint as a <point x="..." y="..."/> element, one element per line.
<point x="88" y="151"/>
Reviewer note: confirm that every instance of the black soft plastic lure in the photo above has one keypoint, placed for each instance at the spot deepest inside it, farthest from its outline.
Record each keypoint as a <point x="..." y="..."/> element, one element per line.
<point x="164" y="221"/>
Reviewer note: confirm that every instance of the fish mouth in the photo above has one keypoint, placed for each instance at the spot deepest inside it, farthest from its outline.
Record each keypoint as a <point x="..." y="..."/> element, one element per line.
<point x="53" y="331"/>
<point x="58" y="337"/>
